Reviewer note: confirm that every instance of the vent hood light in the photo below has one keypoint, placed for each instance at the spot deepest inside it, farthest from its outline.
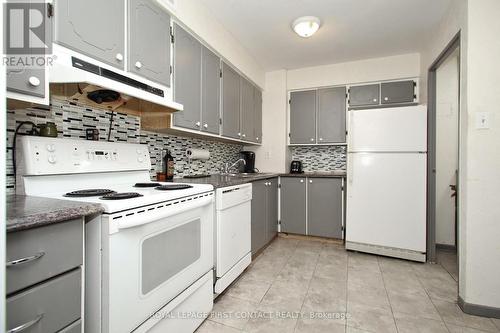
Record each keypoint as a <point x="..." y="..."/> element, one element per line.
<point x="306" y="26"/>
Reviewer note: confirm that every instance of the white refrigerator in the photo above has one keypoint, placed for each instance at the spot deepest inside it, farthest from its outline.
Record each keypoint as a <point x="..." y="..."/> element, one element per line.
<point x="386" y="182"/>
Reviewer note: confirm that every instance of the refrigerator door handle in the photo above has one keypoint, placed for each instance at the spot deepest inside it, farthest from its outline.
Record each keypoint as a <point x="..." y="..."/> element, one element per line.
<point x="350" y="169"/>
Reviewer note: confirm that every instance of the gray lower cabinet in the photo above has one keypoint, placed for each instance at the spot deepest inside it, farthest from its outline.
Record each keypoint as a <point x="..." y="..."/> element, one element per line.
<point x="95" y="28"/>
<point x="331" y="122"/>
<point x="397" y="92"/>
<point x="149" y="41"/>
<point x="187" y="78"/>
<point x="365" y="95"/>
<point x="44" y="278"/>
<point x="230" y="102"/>
<point x="303" y="117"/>
<point x="210" y="91"/>
<point x="247" y="110"/>
<point x="324" y="207"/>
<point x="258" y="115"/>
<point x="264" y="212"/>
<point x="293" y="205"/>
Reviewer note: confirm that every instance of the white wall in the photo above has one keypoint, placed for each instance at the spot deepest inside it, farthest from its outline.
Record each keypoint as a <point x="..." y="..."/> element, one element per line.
<point x="482" y="213"/>
<point x="377" y="69"/>
<point x="199" y="19"/>
<point x="447" y="87"/>
<point x="271" y="156"/>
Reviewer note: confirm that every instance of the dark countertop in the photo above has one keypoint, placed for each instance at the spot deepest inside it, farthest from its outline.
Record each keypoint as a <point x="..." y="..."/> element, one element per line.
<point x="219" y="181"/>
<point x="318" y="174"/>
<point x="27" y="212"/>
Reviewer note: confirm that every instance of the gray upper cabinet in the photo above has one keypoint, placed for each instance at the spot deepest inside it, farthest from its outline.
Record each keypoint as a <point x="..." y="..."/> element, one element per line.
<point x="95" y="28"/>
<point x="230" y="102"/>
<point x="258" y="116"/>
<point x="398" y="92"/>
<point x="331" y="120"/>
<point x="28" y="81"/>
<point x="187" y="78"/>
<point x="210" y="94"/>
<point x="324" y="207"/>
<point x="149" y="41"/>
<point x="366" y="95"/>
<point x="247" y="110"/>
<point x="293" y="205"/>
<point x="303" y="117"/>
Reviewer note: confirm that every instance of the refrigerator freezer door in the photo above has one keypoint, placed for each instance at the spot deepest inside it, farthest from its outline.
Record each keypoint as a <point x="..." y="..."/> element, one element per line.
<point x="386" y="204"/>
<point x="401" y="129"/>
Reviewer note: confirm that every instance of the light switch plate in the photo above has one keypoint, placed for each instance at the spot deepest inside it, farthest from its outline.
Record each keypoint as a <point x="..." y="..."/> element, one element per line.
<point x="482" y="120"/>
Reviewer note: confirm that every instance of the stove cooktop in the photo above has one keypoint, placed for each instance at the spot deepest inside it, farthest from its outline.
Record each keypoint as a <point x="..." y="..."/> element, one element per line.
<point x="121" y="196"/>
<point x="173" y="187"/>
<point x="89" y="193"/>
<point x="147" y="184"/>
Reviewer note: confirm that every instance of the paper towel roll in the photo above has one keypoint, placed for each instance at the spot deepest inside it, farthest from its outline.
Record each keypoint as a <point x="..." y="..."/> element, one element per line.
<point x="197" y="154"/>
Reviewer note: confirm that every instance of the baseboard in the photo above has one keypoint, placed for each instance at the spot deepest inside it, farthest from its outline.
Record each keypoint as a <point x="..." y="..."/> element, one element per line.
<point x="478" y="310"/>
<point x="446" y="247"/>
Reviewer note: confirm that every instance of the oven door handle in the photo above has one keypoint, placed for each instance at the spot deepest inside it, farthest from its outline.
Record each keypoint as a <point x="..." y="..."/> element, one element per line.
<point x="140" y="219"/>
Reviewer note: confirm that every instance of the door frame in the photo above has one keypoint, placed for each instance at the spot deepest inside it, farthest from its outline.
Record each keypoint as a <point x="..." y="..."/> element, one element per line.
<point x="453" y="45"/>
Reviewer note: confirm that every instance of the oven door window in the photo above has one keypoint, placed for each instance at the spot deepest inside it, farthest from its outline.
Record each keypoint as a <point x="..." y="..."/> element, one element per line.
<point x="166" y="254"/>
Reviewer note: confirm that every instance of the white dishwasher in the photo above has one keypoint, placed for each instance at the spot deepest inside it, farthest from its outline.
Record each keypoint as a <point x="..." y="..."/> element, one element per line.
<point x="233" y="239"/>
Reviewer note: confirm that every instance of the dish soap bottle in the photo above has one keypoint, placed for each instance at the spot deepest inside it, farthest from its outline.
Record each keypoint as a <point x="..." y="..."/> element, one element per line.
<point x="169" y="165"/>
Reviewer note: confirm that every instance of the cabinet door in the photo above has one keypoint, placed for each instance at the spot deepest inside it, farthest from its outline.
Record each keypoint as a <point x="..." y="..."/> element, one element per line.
<point x="258" y="115"/>
<point x="272" y="209"/>
<point x="398" y="92"/>
<point x="230" y="102"/>
<point x="28" y="81"/>
<point x="303" y="117"/>
<point x="210" y="91"/>
<point x="247" y="110"/>
<point x="293" y="205"/>
<point x="148" y="22"/>
<point x="324" y="207"/>
<point x="331" y="115"/>
<point x="259" y="226"/>
<point x="93" y="27"/>
<point x="187" y="79"/>
<point x="367" y="95"/>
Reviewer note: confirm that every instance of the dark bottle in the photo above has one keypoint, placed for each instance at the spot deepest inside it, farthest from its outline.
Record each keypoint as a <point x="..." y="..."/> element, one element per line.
<point x="168" y="165"/>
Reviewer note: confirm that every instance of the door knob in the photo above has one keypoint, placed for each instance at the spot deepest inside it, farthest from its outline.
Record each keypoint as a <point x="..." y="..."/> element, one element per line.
<point x="138" y="64"/>
<point x="34" y="81"/>
<point x="119" y="56"/>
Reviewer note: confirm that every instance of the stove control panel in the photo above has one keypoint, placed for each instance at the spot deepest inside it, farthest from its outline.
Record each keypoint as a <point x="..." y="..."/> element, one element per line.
<point x="40" y="155"/>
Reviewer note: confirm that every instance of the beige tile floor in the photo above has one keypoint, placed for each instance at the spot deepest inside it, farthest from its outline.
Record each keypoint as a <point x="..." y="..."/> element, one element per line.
<point x="312" y="286"/>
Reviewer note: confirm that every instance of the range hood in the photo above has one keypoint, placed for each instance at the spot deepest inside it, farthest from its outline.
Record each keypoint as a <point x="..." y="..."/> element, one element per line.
<point x="71" y="67"/>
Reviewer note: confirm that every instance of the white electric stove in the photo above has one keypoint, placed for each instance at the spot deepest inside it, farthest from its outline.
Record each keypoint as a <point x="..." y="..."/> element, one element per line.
<point x="149" y="256"/>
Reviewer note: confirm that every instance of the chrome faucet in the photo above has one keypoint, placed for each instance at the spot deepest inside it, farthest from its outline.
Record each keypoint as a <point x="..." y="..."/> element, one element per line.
<point x="226" y="168"/>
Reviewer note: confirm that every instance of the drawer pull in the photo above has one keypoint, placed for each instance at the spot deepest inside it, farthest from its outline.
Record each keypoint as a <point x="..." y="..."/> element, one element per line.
<point x="23" y="327"/>
<point x="25" y="260"/>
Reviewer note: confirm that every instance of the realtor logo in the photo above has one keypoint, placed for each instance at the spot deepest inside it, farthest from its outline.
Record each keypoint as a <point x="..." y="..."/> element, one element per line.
<point x="26" y="29"/>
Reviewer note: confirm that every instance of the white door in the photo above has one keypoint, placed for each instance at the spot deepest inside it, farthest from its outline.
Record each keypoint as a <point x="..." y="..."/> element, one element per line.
<point x="386" y="204"/>
<point x="150" y="264"/>
<point x="393" y="129"/>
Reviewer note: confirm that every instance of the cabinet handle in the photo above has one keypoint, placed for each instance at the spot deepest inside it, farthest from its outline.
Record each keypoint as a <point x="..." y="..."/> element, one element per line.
<point x="320" y="139"/>
<point x="386" y="98"/>
<point x="310" y="181"/>
<point x="374" y="99"/>
<point x="138" y="64"/>
<point x="34" y="81"/>
<point x="25" y="260"/>
<point x="312" y="139"/>
<point x="257" y="138"/>
<point x="302" y="180"/>
<point x="239" y="134"/>
<point x="205" y="125"/>
<point x="197" y="124"/>
<point x="23" y="327"/>
<point x="119" y="57"/>
<point x="244" y="135"/>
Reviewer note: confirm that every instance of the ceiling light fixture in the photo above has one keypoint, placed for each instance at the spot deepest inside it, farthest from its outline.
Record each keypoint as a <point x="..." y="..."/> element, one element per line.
<point x="306" y="26"/>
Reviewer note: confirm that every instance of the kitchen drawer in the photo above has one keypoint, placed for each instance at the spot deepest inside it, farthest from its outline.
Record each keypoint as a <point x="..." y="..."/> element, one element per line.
<point x="76" y="327"/>
<point x="48" y="307"/>
<point x="48" y="251"/>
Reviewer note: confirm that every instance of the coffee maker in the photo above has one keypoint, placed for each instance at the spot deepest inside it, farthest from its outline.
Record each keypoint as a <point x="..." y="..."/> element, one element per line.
<point x="249" y="157"/>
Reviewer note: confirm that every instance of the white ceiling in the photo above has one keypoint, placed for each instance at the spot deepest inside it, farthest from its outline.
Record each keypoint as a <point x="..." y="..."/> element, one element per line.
<point x="350" y="30"/>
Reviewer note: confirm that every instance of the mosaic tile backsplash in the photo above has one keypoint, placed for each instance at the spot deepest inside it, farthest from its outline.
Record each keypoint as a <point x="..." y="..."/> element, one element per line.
<point x="72" y="120"/>
<point x="320" y="158"/>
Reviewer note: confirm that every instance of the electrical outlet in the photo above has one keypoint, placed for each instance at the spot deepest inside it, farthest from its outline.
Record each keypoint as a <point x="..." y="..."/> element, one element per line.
<point x="482" y="120"/>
